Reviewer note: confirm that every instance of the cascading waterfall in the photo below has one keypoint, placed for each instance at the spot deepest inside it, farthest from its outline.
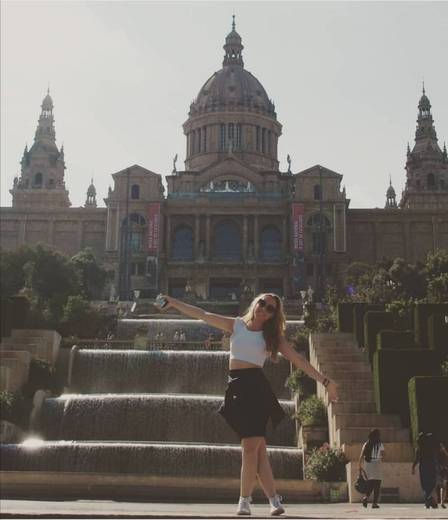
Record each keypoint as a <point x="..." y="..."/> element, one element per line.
<point x="150" y="413"/>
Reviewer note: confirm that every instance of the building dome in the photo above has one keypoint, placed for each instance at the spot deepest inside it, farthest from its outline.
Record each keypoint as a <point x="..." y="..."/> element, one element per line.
<point x="232" y="88"/>
<point x="232" y="115"/>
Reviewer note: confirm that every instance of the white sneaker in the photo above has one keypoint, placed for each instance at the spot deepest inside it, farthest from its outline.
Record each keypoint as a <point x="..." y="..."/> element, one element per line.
<point x="244" y="506"/>
<point x="276" y="505"/>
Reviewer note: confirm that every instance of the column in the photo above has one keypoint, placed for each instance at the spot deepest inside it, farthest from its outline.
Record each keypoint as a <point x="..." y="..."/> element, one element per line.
<point x="197" y="229"/>
<point x="245" y="237"/>
<point x="108" y="223"/>
<point x="117" y="227"/>
<point x="256" y="239"/>
<point x="284" y="238"/>
<point x="168" y="237"/>
<point x="207" y="237"/>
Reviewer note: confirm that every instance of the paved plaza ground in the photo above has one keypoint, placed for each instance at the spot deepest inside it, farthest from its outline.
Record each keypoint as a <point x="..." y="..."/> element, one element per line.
<point x="112" y="509"/>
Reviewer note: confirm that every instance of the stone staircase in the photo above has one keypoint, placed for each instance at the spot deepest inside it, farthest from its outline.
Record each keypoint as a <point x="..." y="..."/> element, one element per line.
<point x="350" y="419"/>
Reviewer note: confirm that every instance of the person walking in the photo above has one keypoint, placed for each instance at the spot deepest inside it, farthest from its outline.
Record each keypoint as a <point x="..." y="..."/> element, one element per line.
<point x="426" y="456"/>
<point x="370" y="459"/>
<point x="442" y="483"/>
<point x="249" y="402"/>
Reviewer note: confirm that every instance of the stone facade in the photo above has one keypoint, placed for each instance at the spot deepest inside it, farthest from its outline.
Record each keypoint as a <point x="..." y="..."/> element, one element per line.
<point x="231" y="221"/>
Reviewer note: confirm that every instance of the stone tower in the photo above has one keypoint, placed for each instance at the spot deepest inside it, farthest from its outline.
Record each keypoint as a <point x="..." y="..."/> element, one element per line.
<point x="391" y="201"/>
<point x="426" y="165"/>
<point x="91" y="196"/>
<point x="41" y="183"/>
<point x="232" y="115"/>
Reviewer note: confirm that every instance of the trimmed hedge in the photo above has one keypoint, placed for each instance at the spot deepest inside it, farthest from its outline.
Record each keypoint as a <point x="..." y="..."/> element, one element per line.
<point x="422" y="312"/>
<point x="428" y="407"/>
<point x="392" y="370"/>
<point x="438" y="334"/>
<point x="375" y="322"/>
<point x="359" y="310"/>
<point x="345" y="317"/>
<point x="395" y="339"/>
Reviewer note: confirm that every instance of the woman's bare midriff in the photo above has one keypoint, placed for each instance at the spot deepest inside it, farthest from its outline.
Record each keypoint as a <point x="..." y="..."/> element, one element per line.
<point x="236" y="364"/>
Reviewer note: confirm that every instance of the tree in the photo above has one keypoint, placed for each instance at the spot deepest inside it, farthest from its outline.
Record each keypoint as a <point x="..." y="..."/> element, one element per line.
<point x="11" y="270"/>
<point x="91" y="276"/>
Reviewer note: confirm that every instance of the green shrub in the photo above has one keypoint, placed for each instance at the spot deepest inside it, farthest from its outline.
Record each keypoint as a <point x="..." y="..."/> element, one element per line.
<point x="396" y="339"/>
<point x="438" y="334"/>
<point x="301" y="342"/>
<point x="312" y="412"/>
<point x="422" y="313"/>
<point x="345" y="317"/>
<point x="427" y="405"/>
<point x="326" y="465"/>
<point x="392" y="370"/>
<point x="299" y="382"/>
<point x="359" y="310"/>
<point x="42" y="377"/>
<point x="375" y="322"/>
<point x="445" y="367"/>
<point x="15" y="408"/>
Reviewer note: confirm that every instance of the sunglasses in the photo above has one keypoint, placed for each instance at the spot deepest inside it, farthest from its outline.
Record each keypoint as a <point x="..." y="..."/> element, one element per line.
<point x="270" y="308"/>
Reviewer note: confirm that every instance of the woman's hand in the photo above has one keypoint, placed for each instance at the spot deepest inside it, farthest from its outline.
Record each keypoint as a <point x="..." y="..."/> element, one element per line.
<point x="169" y="299"/>
<point x="332" y="391"/>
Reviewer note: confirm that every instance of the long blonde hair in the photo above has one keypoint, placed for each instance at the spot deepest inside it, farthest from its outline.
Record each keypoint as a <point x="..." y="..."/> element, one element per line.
<point x="273" y="328"/>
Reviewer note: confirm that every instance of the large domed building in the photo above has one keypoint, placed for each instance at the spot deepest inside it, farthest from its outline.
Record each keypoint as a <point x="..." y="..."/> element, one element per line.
<point x="230" y="222"/>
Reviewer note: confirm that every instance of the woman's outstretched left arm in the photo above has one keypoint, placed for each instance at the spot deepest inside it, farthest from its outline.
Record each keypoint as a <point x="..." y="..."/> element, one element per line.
<point x="300" y="362"/>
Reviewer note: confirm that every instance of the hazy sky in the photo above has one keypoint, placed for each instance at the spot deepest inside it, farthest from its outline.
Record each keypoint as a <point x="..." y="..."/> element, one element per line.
<point x="345" y="78"/>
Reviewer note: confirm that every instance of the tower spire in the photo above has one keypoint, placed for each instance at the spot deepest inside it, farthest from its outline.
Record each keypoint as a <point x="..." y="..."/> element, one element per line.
<point x="391" y="201"/>
<point x="233" y="47"/>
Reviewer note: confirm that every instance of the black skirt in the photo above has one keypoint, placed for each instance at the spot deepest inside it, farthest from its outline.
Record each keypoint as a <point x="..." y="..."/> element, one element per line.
<point x="249" y="403"/>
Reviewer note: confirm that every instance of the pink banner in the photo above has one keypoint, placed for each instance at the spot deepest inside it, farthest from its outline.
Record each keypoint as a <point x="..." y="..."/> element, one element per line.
<point x="297" y="227"/>
<point x="153" y="228"/>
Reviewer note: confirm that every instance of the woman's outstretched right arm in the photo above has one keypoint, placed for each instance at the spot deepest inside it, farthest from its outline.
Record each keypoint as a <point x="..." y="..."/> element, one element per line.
<point x="224" y="323"/>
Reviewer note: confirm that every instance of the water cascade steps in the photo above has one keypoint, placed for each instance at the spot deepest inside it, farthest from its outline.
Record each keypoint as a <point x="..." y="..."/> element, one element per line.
<point x="145" y="424"/>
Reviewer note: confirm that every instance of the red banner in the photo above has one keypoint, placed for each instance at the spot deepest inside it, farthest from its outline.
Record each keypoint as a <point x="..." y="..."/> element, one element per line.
<point x="297" y="227"/>
<point x="153" y="228"/>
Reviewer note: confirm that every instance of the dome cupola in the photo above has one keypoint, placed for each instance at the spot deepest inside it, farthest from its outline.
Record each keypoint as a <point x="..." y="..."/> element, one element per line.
<point x="232" y="113"/>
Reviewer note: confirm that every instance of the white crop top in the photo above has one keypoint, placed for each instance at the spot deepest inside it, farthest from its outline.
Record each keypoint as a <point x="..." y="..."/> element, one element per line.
<point x="247" y="345"/>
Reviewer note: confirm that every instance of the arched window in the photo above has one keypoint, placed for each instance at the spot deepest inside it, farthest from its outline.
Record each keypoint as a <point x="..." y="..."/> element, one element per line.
<point x="263" y="140"/>
<point x="135" y="191"/>
<point x="199" y="140"/>
<point x="38" y="180"/>
<point x="182" y="244"/>
<point x="271" y="244"/>
<point x="227" y="241"/>
<point x="430" y="180"/>
<point x="317" y="192"/>
<point x="319" y="228"/>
